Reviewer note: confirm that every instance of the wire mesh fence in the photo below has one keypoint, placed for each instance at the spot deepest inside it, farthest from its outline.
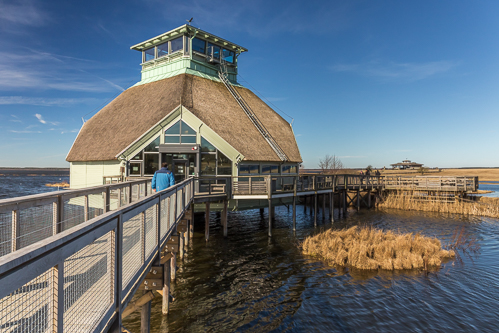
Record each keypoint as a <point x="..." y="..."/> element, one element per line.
<point x="5" y="233"/>
<point x="78" y="288"/>
<point x="88" y="280"/>
<point x="31" y="308"/>
<point x="34" y="224"/>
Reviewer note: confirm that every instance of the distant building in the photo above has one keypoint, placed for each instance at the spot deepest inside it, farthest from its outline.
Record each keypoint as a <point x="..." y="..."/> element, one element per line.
<point x="406" y="164"/>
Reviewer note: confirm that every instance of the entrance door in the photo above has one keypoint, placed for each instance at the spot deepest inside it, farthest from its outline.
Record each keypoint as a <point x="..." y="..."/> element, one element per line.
<point x="180" y="170"/>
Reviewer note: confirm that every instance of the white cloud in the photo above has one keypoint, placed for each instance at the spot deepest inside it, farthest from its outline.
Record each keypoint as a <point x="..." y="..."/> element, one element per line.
<point x="40" y="118"/>
<point x="16" y="118"/>
<point x="408" y="71"/>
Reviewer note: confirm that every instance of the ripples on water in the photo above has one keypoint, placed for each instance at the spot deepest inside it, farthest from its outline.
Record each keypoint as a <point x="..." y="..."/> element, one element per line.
<point x="17" y="186"/>
<point x="249" y="282"/>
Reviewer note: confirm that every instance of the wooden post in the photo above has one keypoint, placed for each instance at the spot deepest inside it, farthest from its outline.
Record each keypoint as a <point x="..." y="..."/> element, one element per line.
<point x="295" y="184"/>
<point x="369" y="199"/>
<point x="207" y="222"/>
<point x="145" y="316"/>
<point x="224" y="217"/>
<point x="173" y="266"/>
<point x="191" y="224"/>
<point x="166" y="287"/>
<point x="345" y="208"/>
<point x="270" y="217"/>
<point x="181" y="245"/>
<point x="323" y="206"/>
<point x="315" y="209"/>
<point x="358" y="200"/>
<point x="331" y="207"/>
<point x="187" y="238"/>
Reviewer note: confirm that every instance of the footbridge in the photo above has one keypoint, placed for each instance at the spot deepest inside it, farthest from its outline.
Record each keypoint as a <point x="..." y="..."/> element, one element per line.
<point x="71" y="261"/>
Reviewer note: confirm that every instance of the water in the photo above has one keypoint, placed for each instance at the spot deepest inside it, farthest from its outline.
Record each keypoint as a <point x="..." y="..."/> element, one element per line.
<point x="13" y="184"/>
<point x="250" y="282"/>
<point x="490" y="186"/>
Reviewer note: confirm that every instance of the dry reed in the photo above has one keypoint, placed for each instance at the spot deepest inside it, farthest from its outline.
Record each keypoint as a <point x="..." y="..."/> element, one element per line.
<point x="370" y="248"/>
<point x="461" y="206"/>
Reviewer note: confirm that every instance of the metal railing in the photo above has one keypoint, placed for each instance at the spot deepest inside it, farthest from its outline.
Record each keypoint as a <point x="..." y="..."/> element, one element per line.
<point x="432" y="183"/>
<point x="29" y="219"/>
<point x="80" y="279"/>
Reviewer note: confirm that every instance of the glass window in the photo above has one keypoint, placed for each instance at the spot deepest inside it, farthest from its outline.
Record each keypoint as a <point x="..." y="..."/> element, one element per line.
<point x="208" y="164"/>
<point x="228" y="55"/>
<point x="177" y="44"/>
<point x="135" y="169"/>
<point x="186" y="129"/>
<point x="153" y="146"/>
<point x="188" y="139"/>
<point x="198" y="45"/>
<point x="138" y="156"/>
<point x="149" y="54"/>
<point x="172" y="139"/>
<point x="151" y="163"/>
<point x="214" y="50"/>
<point x="248" y="169"/>
<point x="224" y="165"/>
<point x="292" y="169"/>
<point x="206" y="146"/>
<point x="162" y="49"/>
<point x="175" y="129"/>
<point x="273" y="169"/>
<point x="286" y="168"/>
<point x="168" y="158"/>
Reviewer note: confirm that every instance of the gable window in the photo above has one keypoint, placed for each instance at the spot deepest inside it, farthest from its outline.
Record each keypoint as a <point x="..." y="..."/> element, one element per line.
<point x="180" y="132"/>
<point x="270" y="169"/>
<point x="213" y="161"/>
<point x="249" y="169"/>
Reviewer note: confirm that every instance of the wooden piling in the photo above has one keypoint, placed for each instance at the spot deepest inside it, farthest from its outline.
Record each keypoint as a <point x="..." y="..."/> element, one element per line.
<point x="294" y="203"/>
<point x="270" y="217"/>
<point x="145" y="316"/>
<point x="369" y="199"/>
<point x="358" y="200"/>
<point x="166" y="287"/>
<point x="345" y="208"/>
<point x="224" y="218"/>
<point x="331" y="207"/>
<point x="207" y="222"/>
<point x="323" y="206"/>
<point x="173" y="266"/>
<point x="315" y="210"/>
<point x="181" y="245"/>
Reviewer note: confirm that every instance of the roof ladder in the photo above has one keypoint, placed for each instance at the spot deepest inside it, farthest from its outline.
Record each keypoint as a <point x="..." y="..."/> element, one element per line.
<point x="222" y="74"/>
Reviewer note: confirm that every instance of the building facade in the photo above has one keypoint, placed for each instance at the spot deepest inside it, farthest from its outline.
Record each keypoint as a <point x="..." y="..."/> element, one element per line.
<point x="188" y="110"/>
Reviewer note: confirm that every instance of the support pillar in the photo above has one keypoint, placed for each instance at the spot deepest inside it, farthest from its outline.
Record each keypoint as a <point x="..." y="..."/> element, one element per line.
<point x="270" y="217"/>
<point x="207" y="222"/>
<point x="323" y="206"/>
<point x="224" y="217"/>
<point x="369" y="199"/>
<point x="331" y="207"/>
<point x="358" y="200"/>
<point x="145" y="316"/>
<point x="315" y="210"/>
<point x="173" y="266"/>
<point x="294" y="212"/>
<point x="345" y="208"/>
<point x="166" y="287"/>
<point x="181" y="245"/>
<point x="191" y="226"/>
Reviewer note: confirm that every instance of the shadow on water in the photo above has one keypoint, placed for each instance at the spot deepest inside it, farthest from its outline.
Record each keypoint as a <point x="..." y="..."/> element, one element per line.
<point x="250" y="282"/>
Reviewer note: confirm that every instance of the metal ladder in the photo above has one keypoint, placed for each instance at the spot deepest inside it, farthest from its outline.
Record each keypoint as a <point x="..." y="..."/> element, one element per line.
<point x="222" y="74"/>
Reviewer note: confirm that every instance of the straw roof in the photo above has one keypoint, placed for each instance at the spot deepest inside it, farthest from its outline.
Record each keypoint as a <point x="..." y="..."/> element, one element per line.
<point x="139" y="108"/>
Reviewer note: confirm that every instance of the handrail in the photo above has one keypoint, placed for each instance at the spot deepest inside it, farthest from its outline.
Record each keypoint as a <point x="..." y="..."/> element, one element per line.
<point x="82" y="278"/>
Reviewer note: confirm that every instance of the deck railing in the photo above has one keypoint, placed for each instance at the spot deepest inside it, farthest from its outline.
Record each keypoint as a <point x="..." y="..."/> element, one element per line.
<point x="432" y="183"/>
<point x="80" y="278"/>
<point x="29" y="219"/>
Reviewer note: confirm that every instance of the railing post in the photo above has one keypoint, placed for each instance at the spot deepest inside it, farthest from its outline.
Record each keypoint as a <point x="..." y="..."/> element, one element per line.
<point x="59" y="296"/>
<point x="86" y="207"/>
<point x="250" y="185"/>
<point x="107" y="200"/>
<point x="15" y="230"/>
<point x="130" y="193"/>
<point x="118" y="268"/>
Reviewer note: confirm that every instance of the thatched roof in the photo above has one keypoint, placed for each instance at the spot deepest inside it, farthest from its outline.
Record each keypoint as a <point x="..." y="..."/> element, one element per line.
<point x="139" y="108"/>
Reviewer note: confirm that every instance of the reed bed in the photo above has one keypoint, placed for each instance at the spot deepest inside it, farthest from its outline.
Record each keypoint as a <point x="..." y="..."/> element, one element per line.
<point x="370" y="248"/>
<point x="458" y="206"/>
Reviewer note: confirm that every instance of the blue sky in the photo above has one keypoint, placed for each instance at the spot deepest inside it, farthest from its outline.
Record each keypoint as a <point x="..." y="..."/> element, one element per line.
<point x="373" y="82"/>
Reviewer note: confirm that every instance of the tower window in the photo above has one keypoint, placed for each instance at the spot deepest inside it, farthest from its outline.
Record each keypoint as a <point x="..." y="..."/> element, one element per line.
<point x="198" y="45"/>
<point x="177" y="44"/>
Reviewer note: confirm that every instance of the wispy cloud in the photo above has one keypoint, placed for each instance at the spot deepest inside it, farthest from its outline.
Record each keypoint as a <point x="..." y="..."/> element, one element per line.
<point x="352" y="156"/>
<point x="16" y="119"/>
<point x="29" y="69"/>
<point x="11" y="100"/>
<point x="21" y="13"/>
<point x="407" y="71"/>
<point x="24" y="131"/>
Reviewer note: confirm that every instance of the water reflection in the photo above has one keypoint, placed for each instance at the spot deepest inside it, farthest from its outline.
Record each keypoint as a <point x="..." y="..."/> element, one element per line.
<point x="249" y="282"/>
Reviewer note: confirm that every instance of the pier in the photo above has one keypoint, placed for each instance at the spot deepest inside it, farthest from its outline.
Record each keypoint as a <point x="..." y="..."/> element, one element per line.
<point x="72" y="260"/>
